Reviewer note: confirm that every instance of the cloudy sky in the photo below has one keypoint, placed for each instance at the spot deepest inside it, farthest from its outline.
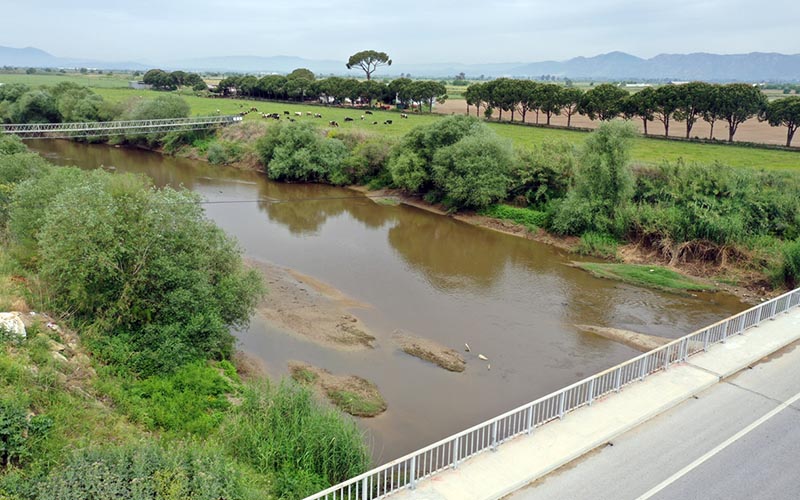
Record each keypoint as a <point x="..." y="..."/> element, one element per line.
<point x="419" y="31"/>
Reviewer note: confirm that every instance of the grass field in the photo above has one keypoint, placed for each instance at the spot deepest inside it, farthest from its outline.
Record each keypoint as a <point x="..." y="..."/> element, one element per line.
<point x="647" y="276"/>
<point x="90" y="80"/>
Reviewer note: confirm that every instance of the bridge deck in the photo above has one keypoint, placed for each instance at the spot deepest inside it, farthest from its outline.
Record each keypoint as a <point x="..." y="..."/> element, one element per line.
<point x="492" y="475"/>
<point x="119" y="127"/>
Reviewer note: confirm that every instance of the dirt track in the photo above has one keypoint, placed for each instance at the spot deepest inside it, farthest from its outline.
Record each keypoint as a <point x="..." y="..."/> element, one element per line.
<point x="750" y="131"/>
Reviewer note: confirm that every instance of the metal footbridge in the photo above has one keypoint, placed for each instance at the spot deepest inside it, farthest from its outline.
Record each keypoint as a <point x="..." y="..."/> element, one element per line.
<point x="128" y="127"/>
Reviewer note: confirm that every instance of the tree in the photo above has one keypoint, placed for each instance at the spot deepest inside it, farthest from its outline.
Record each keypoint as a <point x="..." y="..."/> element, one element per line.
<point x="784" y="112"/>
<point x="712" y="112"/>
<point x="665" y="102"/>
<point x="570" y="101"/>
<point x="302" y="73"/>
<point x="370" y="90"/>
<point x="398" y="88"/>
<point x="550" y="100"/>
<point x="474" y="97"/>
<point x="693" y="99"/>
<point x="426" y="91"/>
<point x="160" y="79"/>
<point x="35" y="106"/>
<point x="528" y="96"/>
<point x="640" y="105"/>
<point x="603" y="101"/>
<point x="737" y="103"/>
<point x="368" y="61"/>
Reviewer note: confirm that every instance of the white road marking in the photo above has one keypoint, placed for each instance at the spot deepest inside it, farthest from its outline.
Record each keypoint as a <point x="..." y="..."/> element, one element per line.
<point x="719" y="448"/>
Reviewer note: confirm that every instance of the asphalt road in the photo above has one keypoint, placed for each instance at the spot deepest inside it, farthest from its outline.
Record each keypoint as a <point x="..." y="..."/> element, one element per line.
<point x="738" y="439"/>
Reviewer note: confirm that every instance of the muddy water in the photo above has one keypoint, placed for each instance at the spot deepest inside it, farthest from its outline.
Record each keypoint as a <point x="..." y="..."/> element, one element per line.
<point x="513" y="300"/>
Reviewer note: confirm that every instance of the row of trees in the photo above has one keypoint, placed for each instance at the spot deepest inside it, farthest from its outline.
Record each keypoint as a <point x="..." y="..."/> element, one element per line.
<point x="301" y="85"/>
<point x="732" y="104"/>
<point x="64" y="102"/>
<point x="162" y="80"/>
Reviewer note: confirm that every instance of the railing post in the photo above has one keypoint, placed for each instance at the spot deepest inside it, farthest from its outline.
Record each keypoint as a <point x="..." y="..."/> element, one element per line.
<point x="774" y="308"/>
<point x="494" y="435"/>
<point x="561" y="404"/>
<point x="617" y="379"/>
<point x="456" y="451"/>
<point x="667" y="354"/>
<point x="529" y="429"/>
<point x="724" y="334"/>
<point x="706" y="334"/>
<point x="413" y="473"/>
<point x="643" y="369"/>
<point x="591" y="392"/>
<point x="364" y="494"/>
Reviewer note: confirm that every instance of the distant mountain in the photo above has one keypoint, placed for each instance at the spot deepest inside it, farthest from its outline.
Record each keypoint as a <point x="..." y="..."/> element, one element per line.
<point x="33" y="57"/>
<point x="753" y="67"/>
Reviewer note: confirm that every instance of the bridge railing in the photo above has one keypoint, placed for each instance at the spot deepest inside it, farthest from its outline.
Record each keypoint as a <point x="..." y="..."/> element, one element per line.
<point x="406" y="471"/>
<point x="75" y="129"/>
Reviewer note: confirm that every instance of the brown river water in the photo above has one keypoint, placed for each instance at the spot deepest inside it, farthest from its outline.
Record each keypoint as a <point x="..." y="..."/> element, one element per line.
<point x="515" y="301"/>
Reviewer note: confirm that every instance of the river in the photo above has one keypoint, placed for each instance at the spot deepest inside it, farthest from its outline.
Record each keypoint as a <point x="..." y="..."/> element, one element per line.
<point x="515" y="301"/>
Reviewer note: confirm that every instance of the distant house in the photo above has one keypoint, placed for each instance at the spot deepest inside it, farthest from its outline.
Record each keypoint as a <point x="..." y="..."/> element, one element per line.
<point x="139" y="85"/>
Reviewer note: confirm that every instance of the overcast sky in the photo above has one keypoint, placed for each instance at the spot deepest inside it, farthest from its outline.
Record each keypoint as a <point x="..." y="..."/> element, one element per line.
<point x="411" y="31"/>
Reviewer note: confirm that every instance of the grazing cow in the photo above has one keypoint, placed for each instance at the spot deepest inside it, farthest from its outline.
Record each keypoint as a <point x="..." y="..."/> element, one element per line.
<point x="333" y="123"/>
<point x="286" y="113"/>
<point x="403" y="115"/>
<point x="298" y="113"/>
<point x="254" y="109"/>
<point x="317" y="115"/>
<point x="374" y="123"/>
<point x="348" y="119"/>
<point x="367" y="112"/>
<point x="387" y="122"/>
<point x="362" y="117"/>
<point x="308" y="113"/>
<point x="292" y="120"/>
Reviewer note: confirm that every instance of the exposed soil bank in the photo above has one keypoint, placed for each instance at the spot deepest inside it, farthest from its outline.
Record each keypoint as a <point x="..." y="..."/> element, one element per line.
<point x="430" y="351"/>
<point x="753" y="290"/>
<point x="638" y="341"/>
<point x="352" y="394"/>
<point x="311" y="309"/>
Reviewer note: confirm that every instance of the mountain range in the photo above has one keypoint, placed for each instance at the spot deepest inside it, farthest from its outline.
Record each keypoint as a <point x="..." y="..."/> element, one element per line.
<point x="752" y="67"/>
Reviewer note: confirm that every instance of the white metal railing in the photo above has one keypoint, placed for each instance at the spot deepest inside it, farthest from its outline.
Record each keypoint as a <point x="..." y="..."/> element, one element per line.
<point x="84" y="129"/>
<point x="406" y="471"/>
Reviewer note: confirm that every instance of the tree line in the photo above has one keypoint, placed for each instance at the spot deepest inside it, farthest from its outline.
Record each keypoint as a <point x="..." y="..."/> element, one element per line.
<point x="301" y="85"/>
<point x="731" y="104"/>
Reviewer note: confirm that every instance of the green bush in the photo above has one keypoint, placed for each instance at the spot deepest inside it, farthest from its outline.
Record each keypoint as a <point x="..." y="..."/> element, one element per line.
<point x="190" y="400"/>
<point x="19" y="434"/>
<point x="298" y="152"/>
<point x="791" y="264"/>
<point x="11" y="144"/>
<point x="544" y="173"/>
<point x="282" y="428"/>
<point x="161" y="284"/>
<point x="598" y="245"/>
<point x="224" y="153"/>
<point x="603" y="185"/>
<point x="473" y="172"/>
<point x="526" y="216"/>
<point x="291" y="484"/>
<point x="144" y="472"/>
<point x="367" y="161"/>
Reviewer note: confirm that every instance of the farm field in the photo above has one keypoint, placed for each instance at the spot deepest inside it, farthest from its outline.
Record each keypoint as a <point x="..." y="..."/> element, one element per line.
<point x="94" y="80"/>
<point x="645" y="150"/>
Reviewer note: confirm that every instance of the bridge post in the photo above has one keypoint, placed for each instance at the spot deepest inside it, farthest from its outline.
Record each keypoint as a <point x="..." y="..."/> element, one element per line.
<point x="685" y="355"/>
<point x="643" y="369"/>
<point x="494" y="435"/>
<point x="724" y="334"/>
<point x="529" y="427"/>
<point x="774" y="308"/>
<point x="667" y="354"/>
<point x="706" y="334"/>
<point x="561" y="405"/>
<point x="617" y="379"/>
<point x="364" y="494"/>
<point x="456" y="451"/>
<point x="590" y="395"/>
<point x="412" y="483"/>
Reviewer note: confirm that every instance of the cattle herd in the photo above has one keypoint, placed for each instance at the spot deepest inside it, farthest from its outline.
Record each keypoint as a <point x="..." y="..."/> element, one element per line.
<point x="298" y="114"/>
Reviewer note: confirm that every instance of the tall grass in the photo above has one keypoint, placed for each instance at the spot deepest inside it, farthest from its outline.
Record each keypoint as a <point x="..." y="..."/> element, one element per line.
<point x="281" y="427"/>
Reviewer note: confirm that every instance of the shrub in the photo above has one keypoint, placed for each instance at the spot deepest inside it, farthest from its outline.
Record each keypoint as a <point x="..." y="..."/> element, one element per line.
<point x="367" y="160"/>
<point x="224" y="153"/>
<point x="791" y="264"/>
<point x="526" y="216"/>
<point x="161" y="284"/>
<point x="11" y="144"/>
<point x="190" y="400"/>
<point x="597" y="245"/>
<point x="18" y="433"/>
<point x="544" y="173"/>
<point x="144" y="472"/>
<point x="298" y="151"/>
<point x="282" y="428"/>
<point x="473" y="172"/>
